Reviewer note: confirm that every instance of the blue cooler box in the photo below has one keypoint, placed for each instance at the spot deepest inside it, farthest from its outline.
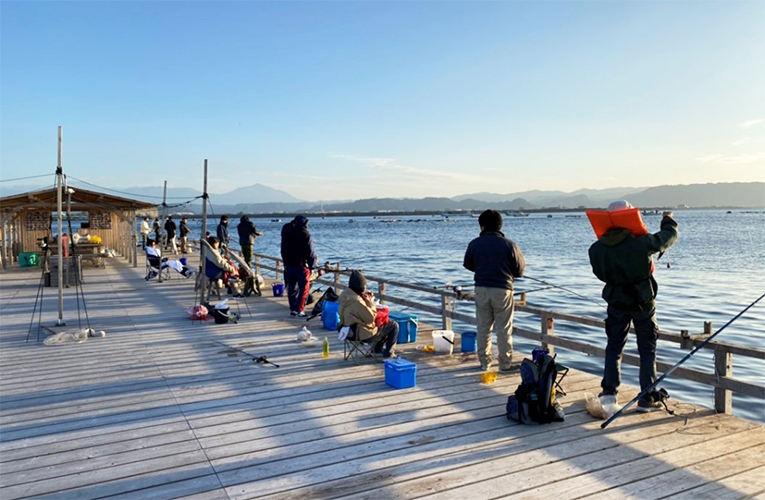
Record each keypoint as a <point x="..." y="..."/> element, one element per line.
<point x="407" y="327"/>
<point x="330" y="315"/>
<point x="468" y="341"/>
<point x="400" y="374"/>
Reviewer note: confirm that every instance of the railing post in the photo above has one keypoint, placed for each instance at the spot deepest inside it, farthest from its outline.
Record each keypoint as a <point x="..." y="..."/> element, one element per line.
<point x="257" y="264"/>
<point x="381" y="291"/>
<point x="446" y="309"/>
<point x="337" y="275"/>
<point x="278" y="272"/>
<point x="548" y="328"/>
<point x="723" y="368"/>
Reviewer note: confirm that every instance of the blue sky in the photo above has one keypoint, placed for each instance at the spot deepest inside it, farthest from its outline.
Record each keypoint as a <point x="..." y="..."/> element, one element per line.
<point x="347" y="100"/>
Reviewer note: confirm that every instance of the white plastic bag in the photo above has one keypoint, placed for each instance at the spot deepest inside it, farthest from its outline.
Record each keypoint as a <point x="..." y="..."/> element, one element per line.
<point x="601" y="407"/>
<point x="304" y="335"/>
<point x="343" y="334"/>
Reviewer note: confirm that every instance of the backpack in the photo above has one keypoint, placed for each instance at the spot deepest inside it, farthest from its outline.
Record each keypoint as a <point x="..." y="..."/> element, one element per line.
<point x="534" y="401"/>
<point x="329" y="296"/>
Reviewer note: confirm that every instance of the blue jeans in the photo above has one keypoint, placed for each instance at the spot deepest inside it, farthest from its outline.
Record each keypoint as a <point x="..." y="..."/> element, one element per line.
<point x="647" y="332"/>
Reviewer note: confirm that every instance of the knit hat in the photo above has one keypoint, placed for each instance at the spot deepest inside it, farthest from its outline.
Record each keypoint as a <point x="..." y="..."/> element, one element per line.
<point x="620" y="205"/>
<point x="357" y="282"/>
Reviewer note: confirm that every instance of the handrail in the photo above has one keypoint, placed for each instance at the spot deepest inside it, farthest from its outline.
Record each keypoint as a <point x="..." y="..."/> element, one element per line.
<point x="721" y="379"/>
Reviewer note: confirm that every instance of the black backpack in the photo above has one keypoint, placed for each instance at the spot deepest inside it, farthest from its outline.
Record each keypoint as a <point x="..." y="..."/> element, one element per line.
<point x="534" y="401"/>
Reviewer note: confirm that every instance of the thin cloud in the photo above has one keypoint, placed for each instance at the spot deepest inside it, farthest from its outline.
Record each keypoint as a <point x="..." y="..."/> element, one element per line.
<point x="740" y="142"/>
<point x="751" y="123"/>
<point x="708" y="158"/>
<point x="391" y="164"/>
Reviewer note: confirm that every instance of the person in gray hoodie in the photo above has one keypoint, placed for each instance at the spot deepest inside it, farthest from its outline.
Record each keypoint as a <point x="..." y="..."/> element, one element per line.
<point x="496" y="262"/>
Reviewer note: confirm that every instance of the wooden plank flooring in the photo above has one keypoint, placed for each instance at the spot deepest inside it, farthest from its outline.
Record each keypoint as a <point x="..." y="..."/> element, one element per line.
<point x="162" y="408"/>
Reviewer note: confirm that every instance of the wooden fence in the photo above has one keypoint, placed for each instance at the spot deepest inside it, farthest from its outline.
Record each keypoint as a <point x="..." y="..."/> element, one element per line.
<point x="721" y="378"/>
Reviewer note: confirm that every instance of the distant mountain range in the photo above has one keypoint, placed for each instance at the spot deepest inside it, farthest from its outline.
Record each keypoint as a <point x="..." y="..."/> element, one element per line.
<point x="263" y="199"/>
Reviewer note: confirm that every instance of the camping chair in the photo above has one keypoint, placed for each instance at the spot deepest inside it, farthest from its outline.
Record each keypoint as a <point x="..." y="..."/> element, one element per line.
<point x="212" y="274"/>
<point x="153" y="265"/>
<point x="354" y="348"/>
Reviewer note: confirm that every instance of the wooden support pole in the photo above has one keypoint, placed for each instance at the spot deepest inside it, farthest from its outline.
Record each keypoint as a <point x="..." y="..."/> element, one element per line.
<point x="134" y="220"/>
<point x="446" y="309"/>
<point x="548" y="328"/>
<point x="723" y="368"/>
<point x="337" y="275"/>
<point x="202" y="263"/>
<point x="278" y="272"/>
<point x="257" y="264"/>
<point x="381" y="291"/>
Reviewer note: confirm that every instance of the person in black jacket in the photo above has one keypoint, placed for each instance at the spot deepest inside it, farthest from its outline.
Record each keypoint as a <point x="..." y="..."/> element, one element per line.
<point x="496" y="262"/>
<point x="624" y="262"/>
<point x="299" y="259"/>
<point x="222" y="233"/>
<point x="170" y="227"/>
<point x="247" y="234"/>
<point x="184" y="234"/>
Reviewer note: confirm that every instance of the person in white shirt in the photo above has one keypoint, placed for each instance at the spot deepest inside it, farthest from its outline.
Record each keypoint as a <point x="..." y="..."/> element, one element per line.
<point x="145" y="231"/>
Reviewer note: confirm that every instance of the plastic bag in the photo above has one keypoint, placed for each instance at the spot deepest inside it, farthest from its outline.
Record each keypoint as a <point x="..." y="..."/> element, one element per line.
<point x="601" y="409"/>
<point x="197" y="312"/>
<point x="304" y="335"/>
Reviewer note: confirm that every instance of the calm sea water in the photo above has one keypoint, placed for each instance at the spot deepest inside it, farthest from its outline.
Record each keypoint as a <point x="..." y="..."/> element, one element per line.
<point x="713" y="272"/>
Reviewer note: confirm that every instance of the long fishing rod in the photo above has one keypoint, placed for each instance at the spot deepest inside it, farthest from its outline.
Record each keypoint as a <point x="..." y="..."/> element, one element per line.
<point x="668" y="372"/>
<point x="552" y="285"/>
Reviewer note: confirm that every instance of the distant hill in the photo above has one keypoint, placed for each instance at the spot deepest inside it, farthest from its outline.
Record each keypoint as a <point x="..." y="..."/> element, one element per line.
<point x="257" y="193"/>
<point x="733" y="194"/>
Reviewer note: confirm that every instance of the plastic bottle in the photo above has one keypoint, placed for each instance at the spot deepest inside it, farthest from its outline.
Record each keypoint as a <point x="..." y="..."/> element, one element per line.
<point x="325" y="348"/>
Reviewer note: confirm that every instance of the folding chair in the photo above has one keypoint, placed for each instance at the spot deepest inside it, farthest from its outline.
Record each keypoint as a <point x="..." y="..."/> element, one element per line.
<point x="353" y="348"/>
<point x="562" y="372"/>
<point x="153" y="265"/>
<point x="212" y="275"/>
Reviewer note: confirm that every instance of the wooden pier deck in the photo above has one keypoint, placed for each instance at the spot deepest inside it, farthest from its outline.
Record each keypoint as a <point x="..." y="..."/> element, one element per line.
<point x="162" y="408"/>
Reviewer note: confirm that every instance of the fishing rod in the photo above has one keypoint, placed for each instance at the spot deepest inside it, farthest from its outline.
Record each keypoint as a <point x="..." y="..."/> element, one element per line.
<point x="257" y="359"/>
<point x="552" y="285"/>
<point x="668" y="372"/>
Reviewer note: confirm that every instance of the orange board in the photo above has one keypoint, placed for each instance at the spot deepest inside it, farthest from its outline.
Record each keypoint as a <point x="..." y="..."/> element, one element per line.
<point x="629" y="219"/>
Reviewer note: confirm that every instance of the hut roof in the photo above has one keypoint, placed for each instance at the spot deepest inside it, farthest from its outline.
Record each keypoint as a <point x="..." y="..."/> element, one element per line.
<point x="82" y="200"/>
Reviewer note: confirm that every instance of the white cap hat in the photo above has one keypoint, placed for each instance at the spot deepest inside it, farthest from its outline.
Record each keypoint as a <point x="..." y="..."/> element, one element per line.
<point x="620" y="205"/>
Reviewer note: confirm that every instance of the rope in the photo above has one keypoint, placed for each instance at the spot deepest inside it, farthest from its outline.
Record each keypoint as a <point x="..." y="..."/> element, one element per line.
<point x="24" y="178"/>
<point x="125" y="192"/>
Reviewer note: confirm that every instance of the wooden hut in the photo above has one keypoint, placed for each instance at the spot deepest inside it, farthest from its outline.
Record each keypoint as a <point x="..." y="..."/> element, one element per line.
<point x="26" y="218"/>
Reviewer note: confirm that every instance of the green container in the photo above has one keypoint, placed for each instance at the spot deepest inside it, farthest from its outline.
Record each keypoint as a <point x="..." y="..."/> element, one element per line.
<point x="29" y="259"/>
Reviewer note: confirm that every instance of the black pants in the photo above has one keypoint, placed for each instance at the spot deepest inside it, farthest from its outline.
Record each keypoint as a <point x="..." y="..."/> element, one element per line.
<point x="647" y="332"/>
<point x="386" y="338"/>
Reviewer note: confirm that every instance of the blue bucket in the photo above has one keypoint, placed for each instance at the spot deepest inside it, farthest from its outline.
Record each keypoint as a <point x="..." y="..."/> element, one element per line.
<point x="278" y="289"/>
<point x="468" y="341"/>
<point x="184" y="261"/>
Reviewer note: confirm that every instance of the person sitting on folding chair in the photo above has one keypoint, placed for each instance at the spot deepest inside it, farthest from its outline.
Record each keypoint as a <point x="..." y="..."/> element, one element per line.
<point x="155" y="262"/>
<point x="358" y="311"/>
<point x="216" y="266"/>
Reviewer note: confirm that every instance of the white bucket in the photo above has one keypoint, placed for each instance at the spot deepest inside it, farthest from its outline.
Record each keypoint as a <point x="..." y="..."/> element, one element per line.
<point x="443" y="341"/>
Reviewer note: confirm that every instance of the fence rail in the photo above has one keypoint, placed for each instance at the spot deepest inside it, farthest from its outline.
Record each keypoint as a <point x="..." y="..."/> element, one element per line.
<point x="721" y="378"/>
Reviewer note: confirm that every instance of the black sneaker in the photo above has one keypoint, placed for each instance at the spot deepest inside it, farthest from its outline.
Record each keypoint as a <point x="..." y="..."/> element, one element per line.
<point x="645" y="406"/>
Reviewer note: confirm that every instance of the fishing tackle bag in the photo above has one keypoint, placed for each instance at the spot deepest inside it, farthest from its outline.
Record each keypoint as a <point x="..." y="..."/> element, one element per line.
<point x="534" y="400"/>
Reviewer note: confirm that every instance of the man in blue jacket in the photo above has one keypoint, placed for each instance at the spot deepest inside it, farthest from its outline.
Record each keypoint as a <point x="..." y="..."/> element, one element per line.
<point x="496" y="262"/>
<point x="299" y="259"/>
<point x="624" y="262"/>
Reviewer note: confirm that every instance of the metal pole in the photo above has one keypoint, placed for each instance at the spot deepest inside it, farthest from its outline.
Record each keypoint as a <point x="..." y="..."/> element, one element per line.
<point x="60" y="186"/>
<point x="68" y="239"/>
<point x="202" y="245"/>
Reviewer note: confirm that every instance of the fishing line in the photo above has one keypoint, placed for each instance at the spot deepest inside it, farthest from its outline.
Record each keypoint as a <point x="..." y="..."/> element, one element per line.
<point x="686" y="358"/>
<point x="551" y="285"/>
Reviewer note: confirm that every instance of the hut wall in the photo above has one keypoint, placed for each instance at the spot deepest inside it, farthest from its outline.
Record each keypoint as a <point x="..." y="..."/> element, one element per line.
<point x="32" y="224"/>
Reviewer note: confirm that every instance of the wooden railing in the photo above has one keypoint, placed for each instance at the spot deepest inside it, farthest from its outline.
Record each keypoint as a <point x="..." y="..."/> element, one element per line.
<point x="721" y="379"/>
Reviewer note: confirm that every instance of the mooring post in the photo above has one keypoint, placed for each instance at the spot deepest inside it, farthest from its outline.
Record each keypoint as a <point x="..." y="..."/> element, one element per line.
<point x="548" y="328"/>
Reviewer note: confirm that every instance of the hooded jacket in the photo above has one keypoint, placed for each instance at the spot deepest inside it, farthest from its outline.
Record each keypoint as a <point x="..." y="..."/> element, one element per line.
<point x="222" y="232"/>
<point x="297" y="244"/>
<point x="495" y="260"/>
<point x="356" y="310"/>
<point x="247" y="231"/>
<point x="624" y="262"/>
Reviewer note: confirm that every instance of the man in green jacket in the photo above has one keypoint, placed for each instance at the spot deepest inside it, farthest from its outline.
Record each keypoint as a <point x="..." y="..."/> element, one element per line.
<point x="624" y="262"/>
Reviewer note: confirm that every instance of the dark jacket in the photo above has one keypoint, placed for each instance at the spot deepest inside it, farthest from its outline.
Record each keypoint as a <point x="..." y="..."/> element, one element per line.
<point x="184" y="229"/>
<point x="297" y="244"/>
<point x="170" y="227"/>
<point x="247" y="231"/>
<point x="495" y="260"/>
<point x="624" y="262"/>
<point x="222" y="233"/>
